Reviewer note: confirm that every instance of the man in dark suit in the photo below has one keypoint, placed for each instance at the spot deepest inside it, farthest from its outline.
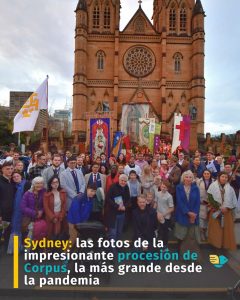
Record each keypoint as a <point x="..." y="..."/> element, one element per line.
<point x="104" y="160"/>
<point x="144" y="222"/>
<point x="183" y="163"/>
<point x="7" y="192"/>
<point x="118" y="200"/>
<point x="212" y="165"/>
<point x="67" y="155"/>
<point x="100" y="181"/>
<point x="80" y="165"/>
<point x="95" y="177"/>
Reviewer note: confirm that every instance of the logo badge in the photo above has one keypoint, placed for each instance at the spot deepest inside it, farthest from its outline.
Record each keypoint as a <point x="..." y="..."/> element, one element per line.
<point x="218" y="261"/>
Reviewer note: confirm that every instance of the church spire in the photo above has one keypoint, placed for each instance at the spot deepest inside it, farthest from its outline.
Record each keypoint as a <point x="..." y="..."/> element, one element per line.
<point x="82" y="5"/>
<point x="198" y="8"/>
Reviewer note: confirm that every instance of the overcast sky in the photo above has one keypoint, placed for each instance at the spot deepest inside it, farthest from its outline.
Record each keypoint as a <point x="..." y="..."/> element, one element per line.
<point x="37" y="38"/>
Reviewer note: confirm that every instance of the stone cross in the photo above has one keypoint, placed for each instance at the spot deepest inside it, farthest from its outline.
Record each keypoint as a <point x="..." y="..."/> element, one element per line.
<point x="140" y="2"/>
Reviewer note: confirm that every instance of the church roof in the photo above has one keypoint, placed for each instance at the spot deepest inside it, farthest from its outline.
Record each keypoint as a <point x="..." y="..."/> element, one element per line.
<point x="137" y="13"/>
<point x="198" y="8"/>
<point x="82" y="5"/>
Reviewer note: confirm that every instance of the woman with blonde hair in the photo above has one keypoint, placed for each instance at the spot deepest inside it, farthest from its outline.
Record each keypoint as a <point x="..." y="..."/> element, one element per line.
<point x="187" y="209"/>
<point x="147" y="180"/>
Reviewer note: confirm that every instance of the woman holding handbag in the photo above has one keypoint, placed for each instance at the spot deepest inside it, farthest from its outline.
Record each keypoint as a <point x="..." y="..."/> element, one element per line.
<point x="54" y="203"/>
<point x="32" y="210"/>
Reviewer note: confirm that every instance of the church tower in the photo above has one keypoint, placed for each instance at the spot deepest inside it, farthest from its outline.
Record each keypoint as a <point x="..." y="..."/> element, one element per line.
<point x="198" y="80"/>
<point x="80" y="73"/>
<point x="96" y="60"/>
<point x="181" y="26"/>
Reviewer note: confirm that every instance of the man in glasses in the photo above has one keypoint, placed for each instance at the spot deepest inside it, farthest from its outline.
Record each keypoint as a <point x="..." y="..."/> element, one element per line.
<point x="72" y="181"/>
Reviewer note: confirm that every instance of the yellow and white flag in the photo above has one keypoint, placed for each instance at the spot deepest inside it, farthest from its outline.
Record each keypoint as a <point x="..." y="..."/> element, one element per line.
<point x="26" y="118"/>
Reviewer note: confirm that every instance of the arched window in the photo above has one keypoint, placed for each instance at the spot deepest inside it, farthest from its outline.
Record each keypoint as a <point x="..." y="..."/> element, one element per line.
<point x="183" y="19"/>
<point x="96" y="16"/>
<point x="100" y="60"/>
<point x="139" y="25"/>
<point x="172" y="18"/>
<point x="177" y="62"/>
<point x="107" y="16"/>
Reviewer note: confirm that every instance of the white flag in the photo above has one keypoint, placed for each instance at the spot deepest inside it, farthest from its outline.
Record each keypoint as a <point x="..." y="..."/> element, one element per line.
<point x="176" y="131"/>
<point x="26" y="118"/>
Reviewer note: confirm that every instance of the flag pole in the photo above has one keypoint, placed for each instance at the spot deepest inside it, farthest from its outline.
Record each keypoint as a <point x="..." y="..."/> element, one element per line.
<point x="19" y="139"/>
<point x="47" y="123"/>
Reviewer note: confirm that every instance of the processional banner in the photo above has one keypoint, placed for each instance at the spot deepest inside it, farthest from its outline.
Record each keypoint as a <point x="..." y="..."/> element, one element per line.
<point x="99" y="137"/>
<point x="144" y="124"/>
<point x="131" y="113"/>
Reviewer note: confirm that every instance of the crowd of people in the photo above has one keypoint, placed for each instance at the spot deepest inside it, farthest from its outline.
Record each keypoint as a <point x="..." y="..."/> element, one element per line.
<point x="46" y="195"/>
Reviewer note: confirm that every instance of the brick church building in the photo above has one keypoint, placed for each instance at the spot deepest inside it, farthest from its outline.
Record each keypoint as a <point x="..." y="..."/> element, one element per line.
<point x="159" y="63"/>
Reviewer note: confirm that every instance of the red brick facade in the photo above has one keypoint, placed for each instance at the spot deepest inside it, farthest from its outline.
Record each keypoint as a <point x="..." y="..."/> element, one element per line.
<point x="161" y="63"/>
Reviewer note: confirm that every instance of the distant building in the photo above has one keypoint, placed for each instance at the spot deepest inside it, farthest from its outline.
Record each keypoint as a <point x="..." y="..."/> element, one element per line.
<point x="17" y="100"/>
<point x="61" y="114"/>
<point x="65" y="117"/>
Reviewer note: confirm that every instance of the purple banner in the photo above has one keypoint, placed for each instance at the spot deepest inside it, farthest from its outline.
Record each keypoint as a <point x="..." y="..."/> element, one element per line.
<point x="156" y="142"/>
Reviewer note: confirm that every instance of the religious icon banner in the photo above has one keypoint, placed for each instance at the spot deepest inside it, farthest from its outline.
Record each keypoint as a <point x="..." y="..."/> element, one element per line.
<point x="131" y="113"/>
<point x="158" y="127"/>
<point x="154" y="130"/>
<point x="157" y="132"/>
<point x="144" y="124"/>
<point x="156" y="142"/>
<point x="99" y="137"/>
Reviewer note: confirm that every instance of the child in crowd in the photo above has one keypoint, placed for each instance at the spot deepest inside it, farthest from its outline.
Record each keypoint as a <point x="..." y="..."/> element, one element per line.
<point x="156" y="187"/>
<point x="134" y="188"/>
<point x="165" y="207"/>
<point x="150" y="199"/>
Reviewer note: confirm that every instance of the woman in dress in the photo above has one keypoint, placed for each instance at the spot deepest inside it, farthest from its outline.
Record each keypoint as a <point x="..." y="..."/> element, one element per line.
<point x="187" y="209"/>
<point x="54" y="203"/>
<point x="203" y="183"/>
<point x="222" y="200"/>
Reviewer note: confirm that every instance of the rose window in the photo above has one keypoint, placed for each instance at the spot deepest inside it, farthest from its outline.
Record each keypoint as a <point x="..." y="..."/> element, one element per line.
<point x="139" y="61"/>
